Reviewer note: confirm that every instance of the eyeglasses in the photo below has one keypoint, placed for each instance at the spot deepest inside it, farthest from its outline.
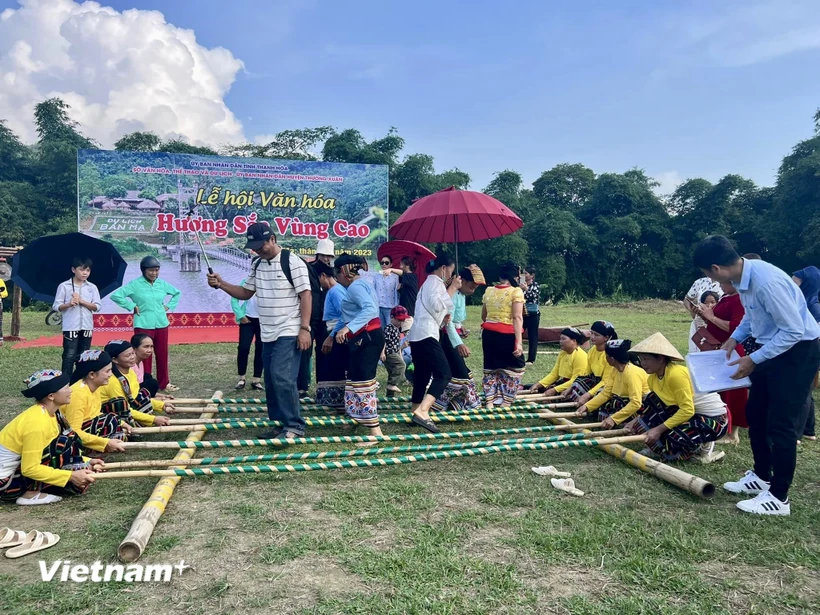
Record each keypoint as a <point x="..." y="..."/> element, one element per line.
<point x="385" y="262"/>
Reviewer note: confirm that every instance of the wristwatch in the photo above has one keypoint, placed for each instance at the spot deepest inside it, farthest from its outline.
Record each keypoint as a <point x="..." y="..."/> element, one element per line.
<point x="305" y="328"/>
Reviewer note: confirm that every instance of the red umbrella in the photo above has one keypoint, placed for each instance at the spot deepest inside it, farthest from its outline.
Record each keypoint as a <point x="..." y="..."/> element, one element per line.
<point x="455" y="216"/>
<point x="397" y="250"/>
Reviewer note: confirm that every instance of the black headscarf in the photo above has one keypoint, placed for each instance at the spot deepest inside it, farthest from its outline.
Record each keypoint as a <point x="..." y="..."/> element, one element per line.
<point x="619" y="350"/>
<point x="605" y="328"/>
<point x="574" y="334"/>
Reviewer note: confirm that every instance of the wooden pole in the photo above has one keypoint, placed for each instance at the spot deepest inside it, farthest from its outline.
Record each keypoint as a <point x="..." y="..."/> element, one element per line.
<point x="369" y="463"/>
<point x="383" y="408"/>
<point x="677" y="478"/>
<point x="347" y="439"/>
<point x="16" y="308"/>
<point x="134" y="543"/>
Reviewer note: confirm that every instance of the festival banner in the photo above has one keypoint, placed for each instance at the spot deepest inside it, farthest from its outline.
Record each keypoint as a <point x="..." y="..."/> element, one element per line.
<point x="151" y="203"/>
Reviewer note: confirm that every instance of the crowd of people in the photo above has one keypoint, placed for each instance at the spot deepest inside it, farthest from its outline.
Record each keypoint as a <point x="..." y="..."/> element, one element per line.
<point x="354" y="319"/>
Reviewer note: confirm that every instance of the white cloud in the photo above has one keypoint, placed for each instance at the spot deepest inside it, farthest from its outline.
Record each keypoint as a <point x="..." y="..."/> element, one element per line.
<point x="751" y="31"/>
<point x="120" y="72"/>
<point x="668" y="180"/>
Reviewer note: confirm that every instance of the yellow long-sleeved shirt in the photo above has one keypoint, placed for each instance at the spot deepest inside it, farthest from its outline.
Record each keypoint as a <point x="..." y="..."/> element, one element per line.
<point x="631" y="384"/>
<point x="84" y="406"/>
<point x="599" y="368"/>
<point x="23" y="441"/>
<point x="675" y="389"/>
<point x="568" y="366"/>
<point x="113" y="390"/>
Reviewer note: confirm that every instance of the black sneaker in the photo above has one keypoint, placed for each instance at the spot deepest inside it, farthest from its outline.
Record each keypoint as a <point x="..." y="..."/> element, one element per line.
<point x="269" y="435"/>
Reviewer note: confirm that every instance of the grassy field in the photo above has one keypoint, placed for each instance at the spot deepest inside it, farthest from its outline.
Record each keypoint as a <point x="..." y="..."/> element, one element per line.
<point x="481" y="535"/>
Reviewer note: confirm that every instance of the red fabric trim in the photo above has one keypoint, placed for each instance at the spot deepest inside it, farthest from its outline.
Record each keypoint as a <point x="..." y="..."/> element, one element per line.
<point x="498" y="327"/>
<point x="371" y="326"/>
<point x="125" y="322"/>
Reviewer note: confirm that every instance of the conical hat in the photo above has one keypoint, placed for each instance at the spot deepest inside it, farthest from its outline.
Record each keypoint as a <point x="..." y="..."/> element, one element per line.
<point x="658" y="344"/>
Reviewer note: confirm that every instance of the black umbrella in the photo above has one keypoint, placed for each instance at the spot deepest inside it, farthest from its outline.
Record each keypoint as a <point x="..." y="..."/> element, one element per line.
<point x="46" y="262"/>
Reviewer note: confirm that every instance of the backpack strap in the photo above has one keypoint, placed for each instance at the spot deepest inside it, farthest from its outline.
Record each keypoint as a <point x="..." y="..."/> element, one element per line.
<point x="284" y="262"/>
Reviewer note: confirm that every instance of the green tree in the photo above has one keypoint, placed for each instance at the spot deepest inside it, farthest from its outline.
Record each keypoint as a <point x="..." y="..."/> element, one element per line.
<point x="567" y="186"/>
<point x="138" y="142"/>
<point x="287" y="144"/>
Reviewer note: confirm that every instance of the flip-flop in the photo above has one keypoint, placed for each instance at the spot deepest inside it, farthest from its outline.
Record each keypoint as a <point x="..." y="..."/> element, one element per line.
<point x="550" y="471"/>
<point x="11" y="538"/>
<point x="39" y="500"/>
<point x="35" y="541"/>
<point x="172" y="388"/>
<point x="240" y="385"/>
<point x="258" y="386"/>
<point x="425" y="423"/>
<point x="567" y="485"/>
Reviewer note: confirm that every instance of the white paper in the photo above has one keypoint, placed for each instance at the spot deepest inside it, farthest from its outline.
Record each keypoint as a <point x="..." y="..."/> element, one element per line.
<point x="711" y="373"/>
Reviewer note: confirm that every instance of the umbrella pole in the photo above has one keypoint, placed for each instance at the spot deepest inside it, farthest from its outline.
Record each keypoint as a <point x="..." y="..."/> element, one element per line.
<point x="456" y="229"/>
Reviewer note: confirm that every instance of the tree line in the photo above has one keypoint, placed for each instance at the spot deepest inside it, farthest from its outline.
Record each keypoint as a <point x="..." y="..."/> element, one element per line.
<point x="587" y="234"/>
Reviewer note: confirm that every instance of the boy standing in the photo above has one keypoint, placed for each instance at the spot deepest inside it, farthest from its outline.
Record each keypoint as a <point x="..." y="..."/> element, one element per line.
<point x="392" y="357"/>
<point x="77" y="299"/>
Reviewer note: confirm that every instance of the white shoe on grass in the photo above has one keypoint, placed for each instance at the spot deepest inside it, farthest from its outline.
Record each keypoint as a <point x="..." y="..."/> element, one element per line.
<point x="749" y="484"/>
<point x="765" y="503"/>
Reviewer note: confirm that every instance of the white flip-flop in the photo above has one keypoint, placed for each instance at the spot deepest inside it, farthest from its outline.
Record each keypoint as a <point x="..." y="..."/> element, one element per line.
<point x="39" y="499"/>
<point x="35" y="541"/>
<point x="567" y="485"/>
<point x="11" y="538"/>
<point x="550" y="471"/>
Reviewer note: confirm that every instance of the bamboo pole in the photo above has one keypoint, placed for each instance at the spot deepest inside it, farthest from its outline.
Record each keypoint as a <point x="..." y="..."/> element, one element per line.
<point x="327" y="421"/>
<point x="365" y="452"/>
<point x="368" y="463"/>
<point x="348" y="439"/>
<point x="308" y="401"/>
<point x="383" y="408"/>
<point x="134" y="543"/>
<point x="677" y="478"/>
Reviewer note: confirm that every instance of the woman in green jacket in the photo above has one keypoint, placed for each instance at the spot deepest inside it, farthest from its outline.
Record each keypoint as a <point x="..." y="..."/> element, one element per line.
<point x="145" y="297"/>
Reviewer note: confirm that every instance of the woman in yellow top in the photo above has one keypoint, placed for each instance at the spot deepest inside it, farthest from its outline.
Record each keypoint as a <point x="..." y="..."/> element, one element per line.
<point x="84" y="412"/>
<point x="122" y="395"/>
<point x="39" y="452"/>
<point x="586" y="387"/>
<point x="502" y="314"/>
<point x="623" y="394"/>
<point x="678" y="424"/>
<point x="571" y="364"/>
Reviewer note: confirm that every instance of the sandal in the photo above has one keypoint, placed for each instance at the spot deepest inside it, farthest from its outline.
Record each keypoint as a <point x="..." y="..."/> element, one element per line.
<point x="11" y="538"/>
<point x="35" y="541"/>
<point x="39" y="499"/>
<point x="240" y="385"/>
<point x="424" y="423"/>
<point x="550" y="471"/>
<point x="567" y="485"/>
<point x="172" y="387"/>
<point x="258" y="386"/>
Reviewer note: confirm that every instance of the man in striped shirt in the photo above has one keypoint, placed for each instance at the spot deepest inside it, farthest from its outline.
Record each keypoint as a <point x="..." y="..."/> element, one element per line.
<point x="284" y="318"/>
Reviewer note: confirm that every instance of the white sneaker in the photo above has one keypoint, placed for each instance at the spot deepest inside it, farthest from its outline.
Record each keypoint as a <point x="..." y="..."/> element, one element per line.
<point x="765" y="504"/>
<point x="749" y="484"/>
<point x="706" y="454"/>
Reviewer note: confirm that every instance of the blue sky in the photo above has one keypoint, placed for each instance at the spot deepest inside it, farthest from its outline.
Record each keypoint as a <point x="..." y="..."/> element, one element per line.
<point x="699" y="90"/>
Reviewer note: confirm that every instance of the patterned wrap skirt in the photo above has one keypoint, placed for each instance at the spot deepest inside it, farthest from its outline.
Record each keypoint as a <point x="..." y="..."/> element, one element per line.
<point x="682" y="442"/>
<point x="615" y="404"/>
<point x="331" y="376"/>
<point x="361" y="386"/>
<point x="461" y="394"/>
<point x="502" y="370"/>
<point x="65" y="452"/>
<point x="581" y="386"/>
<point x="105" y="426"/>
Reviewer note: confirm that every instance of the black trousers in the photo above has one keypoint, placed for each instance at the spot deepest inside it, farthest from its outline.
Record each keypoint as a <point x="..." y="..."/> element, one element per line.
<point x="303" y="380"/>
<point x="429" y="361"/>
<point x="777" y="409"/>
<point x="458" y="368"/>
<point x="531" y="323"/>
<point x="151" y="384"/>
<point x="247" y="333"/>
<point x="75" y="343"/>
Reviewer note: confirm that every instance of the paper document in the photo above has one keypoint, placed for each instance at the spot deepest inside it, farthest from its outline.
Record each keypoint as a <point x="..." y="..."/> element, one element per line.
<point x="711" y="373"/>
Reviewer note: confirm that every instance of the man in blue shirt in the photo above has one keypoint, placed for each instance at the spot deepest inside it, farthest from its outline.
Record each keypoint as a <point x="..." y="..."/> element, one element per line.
<point x="781" y="369"/>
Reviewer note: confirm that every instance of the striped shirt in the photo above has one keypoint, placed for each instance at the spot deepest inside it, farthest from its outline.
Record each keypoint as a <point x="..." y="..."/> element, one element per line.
<point x="278" y="301"/>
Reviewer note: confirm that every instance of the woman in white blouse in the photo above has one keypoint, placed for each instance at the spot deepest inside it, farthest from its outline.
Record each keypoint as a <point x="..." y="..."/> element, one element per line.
<point x="433" y="307"/>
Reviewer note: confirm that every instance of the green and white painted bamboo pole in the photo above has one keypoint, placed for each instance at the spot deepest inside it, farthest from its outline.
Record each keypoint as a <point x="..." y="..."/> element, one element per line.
<point x="338" y="421"/>
<point x="355" y="439"/>
<point x="308" y="402"/>
<point x="369" y="463"/>
<point x="363" y="452"/>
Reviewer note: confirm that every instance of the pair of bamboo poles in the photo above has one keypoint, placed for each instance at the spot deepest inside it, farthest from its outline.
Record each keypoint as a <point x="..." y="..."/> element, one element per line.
<point x="434" y="452"/>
